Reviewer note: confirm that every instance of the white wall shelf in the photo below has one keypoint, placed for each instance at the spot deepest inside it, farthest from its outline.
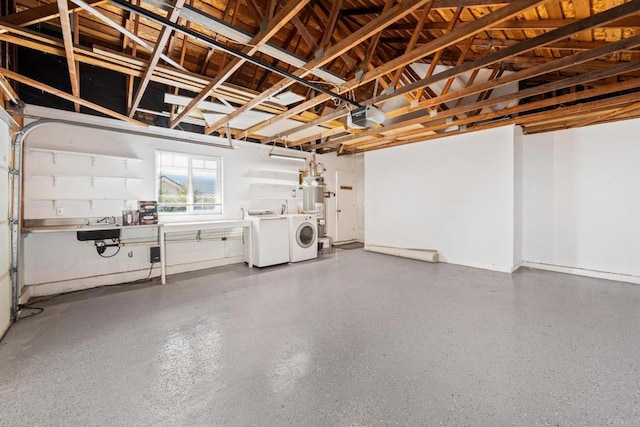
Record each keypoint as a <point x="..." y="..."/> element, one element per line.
<point x="275" y="197"/>
<point x="54" y="201"/>
<point x="55" y="176"/>
<point x="82" y="154"/>
<point x="77" y="175"/>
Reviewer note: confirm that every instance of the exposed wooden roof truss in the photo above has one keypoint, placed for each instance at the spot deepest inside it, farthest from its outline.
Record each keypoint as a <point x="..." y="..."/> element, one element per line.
<point x="289" y="72"/>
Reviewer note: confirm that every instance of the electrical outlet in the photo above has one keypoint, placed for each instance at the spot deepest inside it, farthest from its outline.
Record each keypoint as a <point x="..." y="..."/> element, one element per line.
<point x="154" y="254"/>
<point x="60" y="211"/>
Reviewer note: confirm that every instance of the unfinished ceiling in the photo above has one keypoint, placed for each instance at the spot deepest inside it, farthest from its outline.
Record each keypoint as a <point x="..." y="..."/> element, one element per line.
<point x="289" y="72"/>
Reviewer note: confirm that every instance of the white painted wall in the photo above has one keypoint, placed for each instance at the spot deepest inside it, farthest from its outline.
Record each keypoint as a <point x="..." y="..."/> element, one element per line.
<point x="57" y="262"/>
<point x="518" y="195"/>
<point x="360" y="186"/>
<point x="455" y="195"/>
<point x="582" y="203"/>
<point x="5" y="235"/>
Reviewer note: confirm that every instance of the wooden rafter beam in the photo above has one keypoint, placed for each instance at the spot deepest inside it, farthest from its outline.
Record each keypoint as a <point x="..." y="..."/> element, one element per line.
<point x="609" y="15"/>
<point x="64" y="95"/>
<point x="282" y="17"/>
<point x="541" y="24"/>
<point x="537" y="70"/>
<point x="111" y="23"/>
<point x="437" y="4"/>
<point x="373" y="41"/>
<point x="131" y="66"/>
<point x="615" y="113"/>
<point x="331" y="23"/>
<point x="523" y="94"/>
<point x="43" y="13"/>
<point x="165" y="33"/>
<point x="417" y="31"/>
<point x="371" y="28"/>
<point x="65" y="25"/>
<point x="436" y="58"/>
<point x="435" y="45"/>
<point x="562" y="113"/>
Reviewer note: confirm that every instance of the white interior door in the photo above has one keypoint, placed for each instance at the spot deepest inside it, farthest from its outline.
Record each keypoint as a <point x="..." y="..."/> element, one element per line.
<point x="5" y="236"/>
<point x="345" y="206"/>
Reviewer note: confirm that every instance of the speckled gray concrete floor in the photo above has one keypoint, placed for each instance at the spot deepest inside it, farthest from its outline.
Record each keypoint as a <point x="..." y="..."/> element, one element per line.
<point x="353" y="338"/>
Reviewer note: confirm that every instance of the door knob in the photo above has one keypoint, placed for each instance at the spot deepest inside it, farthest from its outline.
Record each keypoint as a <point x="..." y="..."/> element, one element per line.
<point x="338" y="210"/>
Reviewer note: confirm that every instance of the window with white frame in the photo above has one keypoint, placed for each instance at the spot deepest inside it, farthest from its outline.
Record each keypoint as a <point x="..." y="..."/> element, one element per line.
<point x="188" y="183"/>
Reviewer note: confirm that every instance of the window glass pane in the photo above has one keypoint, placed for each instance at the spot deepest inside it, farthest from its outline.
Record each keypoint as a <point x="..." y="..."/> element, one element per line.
<point x="205" y="193"/>
<point x="177" y="193"/>
<point x="173" y="183"/>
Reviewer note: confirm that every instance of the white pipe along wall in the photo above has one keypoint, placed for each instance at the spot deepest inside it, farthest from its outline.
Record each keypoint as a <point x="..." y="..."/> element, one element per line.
<point x="57" y="262"/>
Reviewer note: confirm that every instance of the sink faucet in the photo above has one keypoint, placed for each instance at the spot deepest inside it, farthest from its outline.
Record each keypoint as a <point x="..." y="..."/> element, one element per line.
<point x="107" y="220"/>
<point x="285" y="207"/>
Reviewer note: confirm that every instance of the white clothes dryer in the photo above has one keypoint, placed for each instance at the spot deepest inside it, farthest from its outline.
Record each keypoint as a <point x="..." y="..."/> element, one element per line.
<point x="303" y="237"/>
<point x="270" y="239"/>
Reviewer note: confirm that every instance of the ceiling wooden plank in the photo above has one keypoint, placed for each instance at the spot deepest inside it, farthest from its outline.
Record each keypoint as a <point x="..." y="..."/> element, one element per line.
<point x="281" y="18"/>
<point x="64" y="95"/>
<point x="542" y="24"/>
<point x="101" y="16"/>
<point x="523" y="94"/>
<point x="436" y="58"/>
<point x="610" y="15"/>
<point x="165" y="33"/>
<point x="373" y="41"/>
<point x="65" y="24"/>
<point x="540" y="69"/>
<point x="304" y="33"/>
<point x="417" y="31"/>
<point x="43" y="13"/>
<point x="616" y="113"/>
<point x="331" y="23"/>
<point x="560" y="113"/>
<point x="256" y="10"/>
<point x="274" y="63"/>
<point x="371" y="28"/>
<point x="437" y="44"/>
<point x="271" y="8"/>
<point x="437" y="4"/>
<point x="460" y="61"/>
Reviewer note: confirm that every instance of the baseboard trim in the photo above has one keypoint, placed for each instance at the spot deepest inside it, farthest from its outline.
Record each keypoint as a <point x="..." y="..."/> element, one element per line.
<point x="583" y="272"/>
<point x="64" y="286"/>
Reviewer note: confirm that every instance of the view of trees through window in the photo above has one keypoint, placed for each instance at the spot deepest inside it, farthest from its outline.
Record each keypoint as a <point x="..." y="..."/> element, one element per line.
<point x="188" y="183"/>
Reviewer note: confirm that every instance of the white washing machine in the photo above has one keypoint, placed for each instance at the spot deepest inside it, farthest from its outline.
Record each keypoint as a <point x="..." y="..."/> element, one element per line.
<point x="270" y="239"/>
<point x="303" y="237"/>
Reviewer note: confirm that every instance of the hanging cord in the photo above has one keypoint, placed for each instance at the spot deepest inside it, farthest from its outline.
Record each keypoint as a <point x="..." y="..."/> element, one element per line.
<point x="146" y="278"/>
<point x="29" y="307"/>
<point x="101" y="246"/>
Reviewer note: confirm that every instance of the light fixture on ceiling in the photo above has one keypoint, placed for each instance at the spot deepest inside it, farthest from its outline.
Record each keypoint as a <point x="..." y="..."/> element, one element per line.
<point x="286" y="157"/>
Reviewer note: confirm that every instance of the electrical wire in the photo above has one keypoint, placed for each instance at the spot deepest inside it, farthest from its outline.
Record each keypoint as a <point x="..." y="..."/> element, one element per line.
<point x="101" y="249"/>
<point x="29" y="307"/>
<point x="146" y="278"/>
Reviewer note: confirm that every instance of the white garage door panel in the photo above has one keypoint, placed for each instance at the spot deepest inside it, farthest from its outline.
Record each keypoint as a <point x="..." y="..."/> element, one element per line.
<point x="4" y="249"/>
<point x="5" y="303"/>
<point x="5" y="278"/>
<point x="4" y="198"/>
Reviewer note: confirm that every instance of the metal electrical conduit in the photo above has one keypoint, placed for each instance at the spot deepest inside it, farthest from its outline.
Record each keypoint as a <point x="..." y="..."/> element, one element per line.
<point x="224" y="48"/>
<point x="16" y="209"/>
